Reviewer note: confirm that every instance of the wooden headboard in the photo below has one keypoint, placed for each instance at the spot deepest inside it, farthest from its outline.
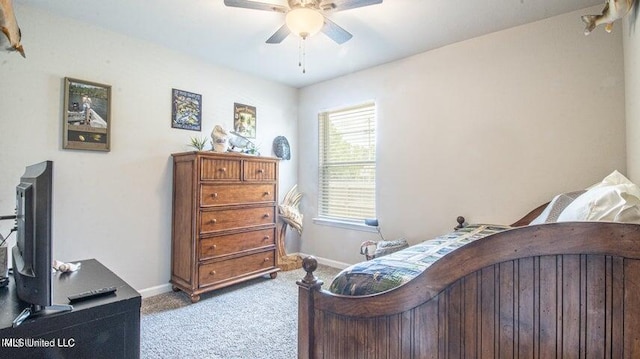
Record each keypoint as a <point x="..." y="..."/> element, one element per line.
<point x="559" y="290"/>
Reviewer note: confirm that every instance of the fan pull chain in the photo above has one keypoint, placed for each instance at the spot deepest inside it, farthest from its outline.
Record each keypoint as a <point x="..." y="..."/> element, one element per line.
<point x="302" y="54"/>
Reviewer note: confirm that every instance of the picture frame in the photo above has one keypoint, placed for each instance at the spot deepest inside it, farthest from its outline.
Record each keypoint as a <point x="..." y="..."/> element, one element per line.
<point x="244" y="120"/>
<point x="186" y="110"/>
<point x="87" y="115"/>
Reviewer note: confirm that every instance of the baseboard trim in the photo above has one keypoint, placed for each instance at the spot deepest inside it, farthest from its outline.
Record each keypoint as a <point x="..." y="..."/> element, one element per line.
<point x="159" y="289"/>
<point x="327" y="262"/>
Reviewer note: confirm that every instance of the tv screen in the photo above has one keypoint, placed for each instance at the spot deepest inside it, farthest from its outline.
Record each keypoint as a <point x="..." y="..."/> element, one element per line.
<point x="32" y="253"/>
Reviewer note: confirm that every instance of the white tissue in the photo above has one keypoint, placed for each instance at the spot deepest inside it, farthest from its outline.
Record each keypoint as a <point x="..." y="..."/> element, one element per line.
<point x="65" y="267"/>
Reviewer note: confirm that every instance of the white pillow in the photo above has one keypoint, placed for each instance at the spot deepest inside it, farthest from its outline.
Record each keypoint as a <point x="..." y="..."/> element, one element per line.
<point x="556" y="206"/>
<point x="615" y="199"/>
<point x="613" y="179"/>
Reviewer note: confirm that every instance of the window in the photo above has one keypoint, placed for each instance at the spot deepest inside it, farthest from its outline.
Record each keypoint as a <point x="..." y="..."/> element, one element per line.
<point x="347" y="159"/>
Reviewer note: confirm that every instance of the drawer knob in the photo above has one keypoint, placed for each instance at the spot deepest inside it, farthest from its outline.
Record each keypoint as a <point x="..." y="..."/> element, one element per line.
<point x="212" y="273"/>
<point x="214" y="195"/>
<point x="266" y="238"/>
<point x="266" y="215"/>
<point x="222" y="169"/>
<point x="267" y="193"/>
<point x="213" y="247"/>
<point x="260" y="170"/>
<point x="213" y="221"/>
<point x="267" y="259"/>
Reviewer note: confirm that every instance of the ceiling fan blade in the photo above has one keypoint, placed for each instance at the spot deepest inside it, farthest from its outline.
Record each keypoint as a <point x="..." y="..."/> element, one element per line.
<point x="340" y="5"/>
<point x="246" y="4"/>
<point x="279" y="35"/>
<point x="335" y="32"/>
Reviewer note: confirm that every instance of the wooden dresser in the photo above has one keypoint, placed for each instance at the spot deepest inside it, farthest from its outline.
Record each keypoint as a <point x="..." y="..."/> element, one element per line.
<point x="224" y="220"/>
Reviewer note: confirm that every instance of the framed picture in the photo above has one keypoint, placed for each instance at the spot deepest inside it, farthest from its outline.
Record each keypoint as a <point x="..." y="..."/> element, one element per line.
<point x="244" y="120"/>
<point x="186" y="111"/>
<point x="87" y="115"/>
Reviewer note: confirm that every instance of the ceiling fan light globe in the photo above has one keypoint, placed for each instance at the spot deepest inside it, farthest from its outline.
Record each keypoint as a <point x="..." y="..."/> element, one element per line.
<point x="304" y="22"/>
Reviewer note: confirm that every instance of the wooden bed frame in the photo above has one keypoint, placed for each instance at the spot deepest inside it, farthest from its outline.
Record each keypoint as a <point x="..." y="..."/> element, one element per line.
<point x="561" y="290"/>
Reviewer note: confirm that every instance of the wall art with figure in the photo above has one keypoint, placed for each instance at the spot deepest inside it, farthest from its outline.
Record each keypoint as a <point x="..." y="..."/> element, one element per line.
<point x="87" y="115"/>
<point x="244" y="120"/>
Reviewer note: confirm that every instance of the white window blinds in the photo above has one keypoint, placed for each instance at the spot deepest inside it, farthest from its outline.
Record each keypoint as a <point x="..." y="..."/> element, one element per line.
<point x="347" y="158"/>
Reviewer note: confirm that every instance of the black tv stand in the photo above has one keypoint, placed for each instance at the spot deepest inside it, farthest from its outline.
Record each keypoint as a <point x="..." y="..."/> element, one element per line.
<point x="104" y="327"/>
<point x="35" y="310"/>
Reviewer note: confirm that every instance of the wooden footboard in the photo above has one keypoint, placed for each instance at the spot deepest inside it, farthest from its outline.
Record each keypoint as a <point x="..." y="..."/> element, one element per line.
<point x="559" y="290"/>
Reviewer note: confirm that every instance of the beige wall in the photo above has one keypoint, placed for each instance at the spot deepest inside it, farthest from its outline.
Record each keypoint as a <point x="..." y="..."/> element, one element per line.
<point x="632" y="86"/>
<point x="487" y="128"/>
<point x="116" y="206"/>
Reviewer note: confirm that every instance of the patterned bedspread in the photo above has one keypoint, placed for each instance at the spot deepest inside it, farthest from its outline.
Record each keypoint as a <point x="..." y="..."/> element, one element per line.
<point x="390" y="271"/>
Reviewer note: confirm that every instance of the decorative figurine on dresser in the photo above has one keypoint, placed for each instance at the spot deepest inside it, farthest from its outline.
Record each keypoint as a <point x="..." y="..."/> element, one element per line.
<point x="224" y="220"/>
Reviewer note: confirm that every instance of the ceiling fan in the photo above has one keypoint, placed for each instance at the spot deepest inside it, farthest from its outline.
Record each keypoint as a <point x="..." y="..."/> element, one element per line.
<point x="306" y="17"/>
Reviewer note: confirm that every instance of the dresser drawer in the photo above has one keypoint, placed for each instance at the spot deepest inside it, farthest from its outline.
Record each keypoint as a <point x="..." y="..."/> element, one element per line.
<point x="223" y="270"/>
<point x="219" y="169"/>
<point x="226" y="194"/>
<point x="234" y="243"/>
<point x="259" y="171"/>
<point x="220" y="220"/>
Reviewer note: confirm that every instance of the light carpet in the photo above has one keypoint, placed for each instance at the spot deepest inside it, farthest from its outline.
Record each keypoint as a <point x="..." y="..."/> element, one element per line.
<point x="256" y="319"/>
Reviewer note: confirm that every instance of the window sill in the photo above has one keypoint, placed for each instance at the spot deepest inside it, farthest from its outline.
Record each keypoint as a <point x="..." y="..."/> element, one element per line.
<point x="344" y="224"/>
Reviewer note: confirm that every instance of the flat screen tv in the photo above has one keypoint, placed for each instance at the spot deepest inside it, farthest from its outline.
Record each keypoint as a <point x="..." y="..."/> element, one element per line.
<point x="32" y="252"/>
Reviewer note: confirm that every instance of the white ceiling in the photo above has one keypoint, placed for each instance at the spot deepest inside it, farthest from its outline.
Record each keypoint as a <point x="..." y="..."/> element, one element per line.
<point x="235" y="38"/>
